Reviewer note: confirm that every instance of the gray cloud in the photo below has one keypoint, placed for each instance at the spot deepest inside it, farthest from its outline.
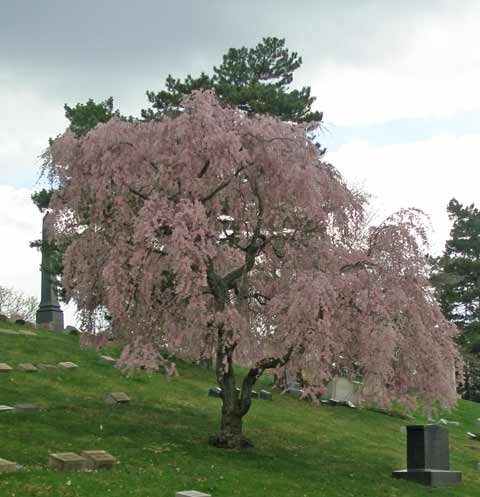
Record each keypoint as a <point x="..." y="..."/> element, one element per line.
<point x="75" y="50"/>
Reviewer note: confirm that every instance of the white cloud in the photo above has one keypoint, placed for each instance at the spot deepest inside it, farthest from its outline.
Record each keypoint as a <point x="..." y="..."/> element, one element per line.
<point x="437" y="74"/>
<point x="424" y="174"/>
<point x="21" y="223"/>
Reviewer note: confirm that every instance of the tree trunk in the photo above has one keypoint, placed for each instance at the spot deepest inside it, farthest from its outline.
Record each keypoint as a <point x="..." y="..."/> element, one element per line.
<point x="230" y="435"/>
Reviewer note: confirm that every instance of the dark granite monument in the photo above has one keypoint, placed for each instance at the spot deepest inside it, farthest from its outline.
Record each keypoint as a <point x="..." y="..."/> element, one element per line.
<point x="428" y="458"/>
<point x="49" y="314"/>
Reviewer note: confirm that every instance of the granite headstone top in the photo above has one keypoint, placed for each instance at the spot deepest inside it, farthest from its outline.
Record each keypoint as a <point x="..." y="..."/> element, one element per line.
<point x="265" y="395"/>
<point x="428" y="457"/>
<point x="67" y="461"/>
<point x="7" y="466"/>
<point x="5" y="368"/>
<point x="215" y="392"/>
<point x="99" y="459"/>
<point x="117" y="398"/>
<point x="27" y="367"/>
<point x="67" y="365"/>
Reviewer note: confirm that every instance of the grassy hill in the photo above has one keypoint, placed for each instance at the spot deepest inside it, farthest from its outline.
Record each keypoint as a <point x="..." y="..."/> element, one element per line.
<point x="160" y="439"/>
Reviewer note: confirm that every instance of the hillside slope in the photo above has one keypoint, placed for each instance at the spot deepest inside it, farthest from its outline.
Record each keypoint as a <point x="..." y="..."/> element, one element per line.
<point x="160" y="439"/>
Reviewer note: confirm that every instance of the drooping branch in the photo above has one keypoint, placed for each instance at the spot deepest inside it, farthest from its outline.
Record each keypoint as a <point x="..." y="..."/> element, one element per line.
<point x="221" y="186"/>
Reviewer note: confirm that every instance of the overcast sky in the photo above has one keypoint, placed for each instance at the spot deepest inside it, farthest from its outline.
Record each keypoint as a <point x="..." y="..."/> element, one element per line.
<point x="398" y="83"/>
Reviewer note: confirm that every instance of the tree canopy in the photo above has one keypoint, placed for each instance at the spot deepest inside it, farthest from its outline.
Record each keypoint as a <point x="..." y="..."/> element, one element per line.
<point x="215" y="229"/>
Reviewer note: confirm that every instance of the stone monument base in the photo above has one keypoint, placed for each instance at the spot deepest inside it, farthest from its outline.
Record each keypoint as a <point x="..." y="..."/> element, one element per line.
<point x="430" y="477"/>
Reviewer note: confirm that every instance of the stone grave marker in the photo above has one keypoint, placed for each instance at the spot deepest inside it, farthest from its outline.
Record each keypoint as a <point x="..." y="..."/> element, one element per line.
<point x="45" y="367"/>
<point x="265" y="395"/>
<point x="99" y="459"/>
<point x="27" y="407"/>
<point x="254" y="394"/>
<point x="5" y="368"/>
<point x="27" y="367"/>
<point x="428" y="457"/>
<point x="117" y="398"/>
<point x="107" y="360"/>
<point x="7" y="466"/>
<point x="3" y="318"/>
<point x="20" y="321"/>
<point x="342" y="390"/>
<point x="67" y="365"/>
<point x="191" y="493"/>
<point x="215" y="392"/>
<point x="67" y="461"/>
<point x="294" y="392"/>
<point x="7" y="409"/>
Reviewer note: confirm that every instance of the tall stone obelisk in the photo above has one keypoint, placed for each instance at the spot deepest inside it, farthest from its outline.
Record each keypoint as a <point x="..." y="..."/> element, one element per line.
<point x="49" y="314"/>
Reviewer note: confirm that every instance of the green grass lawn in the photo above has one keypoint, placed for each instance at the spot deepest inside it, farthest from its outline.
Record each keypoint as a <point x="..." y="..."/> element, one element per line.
<point x="160" y="438"/>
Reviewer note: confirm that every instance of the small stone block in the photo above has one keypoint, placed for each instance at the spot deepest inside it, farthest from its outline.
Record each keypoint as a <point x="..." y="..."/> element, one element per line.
<point x="5" y="368"/>
<point x="215" y="392"/>
<point x="191" y="493"/>
<point x="265" y="395"/>
<point x="27" y="407"/>
<point x="67" y="461"/>
<point x="117" y="398"/>
<point x="7" y="409"/>
<point x="67" y="365"/>
<point x="7" y="466"/>
<point x="27" y="367"/>
<point x="254" y="394"/>
<point x="107" y="360"/>
<point x="99" y="459"/>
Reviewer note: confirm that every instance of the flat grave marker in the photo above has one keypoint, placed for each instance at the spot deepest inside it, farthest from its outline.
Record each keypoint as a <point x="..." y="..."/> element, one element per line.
<point x="428" y="457"/>
<point x="215" y="392"/>
<point x="7" y="409"/>
<point x="107" y="360"/>
<point x="27" y="367"/>
<point x="45" y="367"/>
<point x="99" y="459"/>
<point x="7" y="466"/>
<point x="67" y="461"/>
<point x="5" y="368"/>
<point x="191" y="493"/>
<point x="27" y="407"/>
<point x="67" y="365"/>
<point x="117" y="398"/>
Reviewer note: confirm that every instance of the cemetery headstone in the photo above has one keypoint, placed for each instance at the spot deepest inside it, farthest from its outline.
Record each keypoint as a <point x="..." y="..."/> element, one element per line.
<point x="7" y="409"/>
<point x="191" y="493"/>
<point x="428" y="457"/>
<point x="215" y="392"/>
<point x="72" y="330"/>
<point x="107" y="360"/>
<point x="117" y="398"/>
<point x="99" y="459"/>
<point x="20" y="321"/>
<point x="265" y="395"/>
<point x="27" y="367"/>
<point x="7" y="466"/>
<point x="341" y="389"/>
<point x="67" y="365"/>
<point x="49" y="313"/>
<point x="5" y="368"/>
<point x="3" y="318"/>
<point x="254" y="394"/>
<point x="44" y="367"/>
<point x="27" y="407"/>
<point x="294" y="392"/>
<point x="67" y="461"/>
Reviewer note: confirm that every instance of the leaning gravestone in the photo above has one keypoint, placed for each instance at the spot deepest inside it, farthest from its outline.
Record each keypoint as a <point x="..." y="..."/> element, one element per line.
<point x="67" y="461"/>
<point x="191" y="493"/>
<point x="117" y="398"/>
<point x="27" y="367"/>
<point x="7" y="466"/>
<point x="99" y="459"/>
<point x="5" y="368"/>
<point x="428" y="457"/>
